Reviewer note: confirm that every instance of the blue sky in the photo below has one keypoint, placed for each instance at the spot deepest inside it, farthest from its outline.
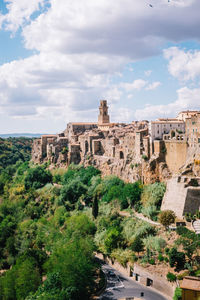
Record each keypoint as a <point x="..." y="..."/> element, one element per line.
<point x="58" y="58"/>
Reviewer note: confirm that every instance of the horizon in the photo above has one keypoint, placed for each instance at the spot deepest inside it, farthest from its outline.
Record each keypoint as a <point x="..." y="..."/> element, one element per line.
<point x="59" y="58"/>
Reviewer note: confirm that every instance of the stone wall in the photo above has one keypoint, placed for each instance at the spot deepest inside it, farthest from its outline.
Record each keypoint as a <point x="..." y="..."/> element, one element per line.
<point x="141" y="275"/>
<point x="181" y="197"/>
<point x="176" y="155"/>
<point x="159" y="283"/>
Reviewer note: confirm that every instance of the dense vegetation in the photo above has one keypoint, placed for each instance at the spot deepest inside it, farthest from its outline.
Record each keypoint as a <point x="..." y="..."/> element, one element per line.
<point x="51" y="224"/>
<point x="13" y="151"/>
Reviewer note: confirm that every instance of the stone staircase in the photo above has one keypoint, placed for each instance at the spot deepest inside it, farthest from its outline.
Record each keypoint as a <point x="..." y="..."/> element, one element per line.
<point x="196" y="226"/>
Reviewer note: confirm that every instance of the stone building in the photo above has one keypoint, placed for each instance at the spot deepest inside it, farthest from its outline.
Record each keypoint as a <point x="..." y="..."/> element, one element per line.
<point x="183" y="115"/>
<point x="163" y="126"/>
<point x="190" y="288"/>
<point x="155" y="151"/>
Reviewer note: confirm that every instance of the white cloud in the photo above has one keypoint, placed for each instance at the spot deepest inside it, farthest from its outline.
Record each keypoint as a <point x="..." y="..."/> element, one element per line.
<point x="184" y="65"/>
<point x="153" y="86"/>
<point x="147" y="73"/>
<point x="188" y="99"/>
<point x="80" y="45"/>
<point x="20" y="12"/>
<point x="137" y="84"/>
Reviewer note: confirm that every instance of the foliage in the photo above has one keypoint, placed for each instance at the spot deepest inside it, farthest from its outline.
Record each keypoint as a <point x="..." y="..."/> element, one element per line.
<point x="152" y="261"/>
<point x="71" y="192"/>
<point x="154" y="243"/>
<point x="151" y="199"/>
<point x="22" y="279"/>
<point x="176" y="259"/>
<point x="37" y="177"/>
<point x="74" y="262"/>
<point x="167" y="217"/>
<point x="123" y="256"/>
<point x="13" y="150"/>
<point x="171" y="277"/>
<point x="177" y="294"/>
<point x="152" y="194"/>
<point x="95" y="207"/>
<point x="160" y="257"/>
<point x="137" y="245"/>
<point x="112" y="239"/>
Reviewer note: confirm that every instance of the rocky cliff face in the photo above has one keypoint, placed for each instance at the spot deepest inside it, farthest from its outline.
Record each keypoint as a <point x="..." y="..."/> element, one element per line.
<point x="122" y="150"/>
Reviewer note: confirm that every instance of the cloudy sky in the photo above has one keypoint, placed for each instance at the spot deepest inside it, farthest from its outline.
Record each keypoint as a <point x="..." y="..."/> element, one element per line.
<point x="58" y="58"/>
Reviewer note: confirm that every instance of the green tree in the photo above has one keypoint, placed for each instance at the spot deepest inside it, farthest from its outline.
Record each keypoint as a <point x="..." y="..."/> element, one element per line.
<point x="176" y="259"/>
<point x="37" y="177"/>
<point x="8" y="285"/>
<point x="28" y="278"/>
<point x="95" y="207"/>
<point x="71" y="192"/>
<point x="167" y="217"/>
<point x="112" y="239"/>
<point x="132" y="192"/>
<point x="74" y="262"/>
<point x="137" y="245"/>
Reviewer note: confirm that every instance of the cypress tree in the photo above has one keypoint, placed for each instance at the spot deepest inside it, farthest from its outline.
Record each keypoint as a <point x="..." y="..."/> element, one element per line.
<point x="95" y="207"/>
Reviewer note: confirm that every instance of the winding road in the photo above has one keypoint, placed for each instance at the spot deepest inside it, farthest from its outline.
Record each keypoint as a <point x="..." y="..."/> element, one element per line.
<point x="120" y="286"/>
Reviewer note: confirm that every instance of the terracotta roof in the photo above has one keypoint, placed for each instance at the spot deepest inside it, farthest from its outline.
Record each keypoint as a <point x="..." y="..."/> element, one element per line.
<point x="191" y="283"/>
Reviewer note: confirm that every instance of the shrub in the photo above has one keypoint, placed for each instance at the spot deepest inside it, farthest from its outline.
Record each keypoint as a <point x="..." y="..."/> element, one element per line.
<point x="149" y="211"/>
<point x="154" y="243"/>
<point x="152" y="194"/>
<point x="177" y="294"/>
<point x="176" y="258"/>
<point x="160" y="257"/>
<point x="144" y="157"/>
<point x="171" y="277"/>
<point x="167" y="250"/>
<point x="137" y="245"/>
<point x="166" y="259"/>
<point x="167" y="217"/>
<point x="152" y="261"/>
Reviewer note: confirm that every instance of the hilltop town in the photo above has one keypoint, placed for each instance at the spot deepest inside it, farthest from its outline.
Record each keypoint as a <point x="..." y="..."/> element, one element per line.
<point x="162" y="150"/>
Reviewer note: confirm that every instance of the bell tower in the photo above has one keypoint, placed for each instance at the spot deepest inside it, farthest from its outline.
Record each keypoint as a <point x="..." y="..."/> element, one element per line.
<point x="103" y="117"/>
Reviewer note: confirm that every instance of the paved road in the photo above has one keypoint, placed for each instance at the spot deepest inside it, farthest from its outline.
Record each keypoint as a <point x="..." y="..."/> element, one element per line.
<point x="119" y="286"/>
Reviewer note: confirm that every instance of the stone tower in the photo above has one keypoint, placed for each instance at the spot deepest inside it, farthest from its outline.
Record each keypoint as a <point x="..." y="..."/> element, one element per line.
<point x="103" y="117"/>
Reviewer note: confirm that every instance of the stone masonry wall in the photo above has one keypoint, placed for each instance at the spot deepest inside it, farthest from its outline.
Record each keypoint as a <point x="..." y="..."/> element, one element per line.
<point x="180" y="197"/>
<point x="159" y="283"/>
<point x="176" y="155"/>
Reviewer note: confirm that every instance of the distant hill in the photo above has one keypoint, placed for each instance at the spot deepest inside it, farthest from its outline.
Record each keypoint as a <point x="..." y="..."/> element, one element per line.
<point x="30" y="135"/>
<point x="14" y="149"/>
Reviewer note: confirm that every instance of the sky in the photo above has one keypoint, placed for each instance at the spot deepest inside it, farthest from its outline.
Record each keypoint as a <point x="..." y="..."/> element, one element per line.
<point x="59" y="58"/>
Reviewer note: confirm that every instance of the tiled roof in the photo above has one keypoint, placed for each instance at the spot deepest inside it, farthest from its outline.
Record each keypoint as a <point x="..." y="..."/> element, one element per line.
<point x="191" y="283"/>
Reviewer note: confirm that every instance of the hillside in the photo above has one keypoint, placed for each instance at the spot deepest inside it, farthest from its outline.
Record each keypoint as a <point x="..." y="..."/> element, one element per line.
<point x="13" y="150"/>
<point x="51" y="222"/>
